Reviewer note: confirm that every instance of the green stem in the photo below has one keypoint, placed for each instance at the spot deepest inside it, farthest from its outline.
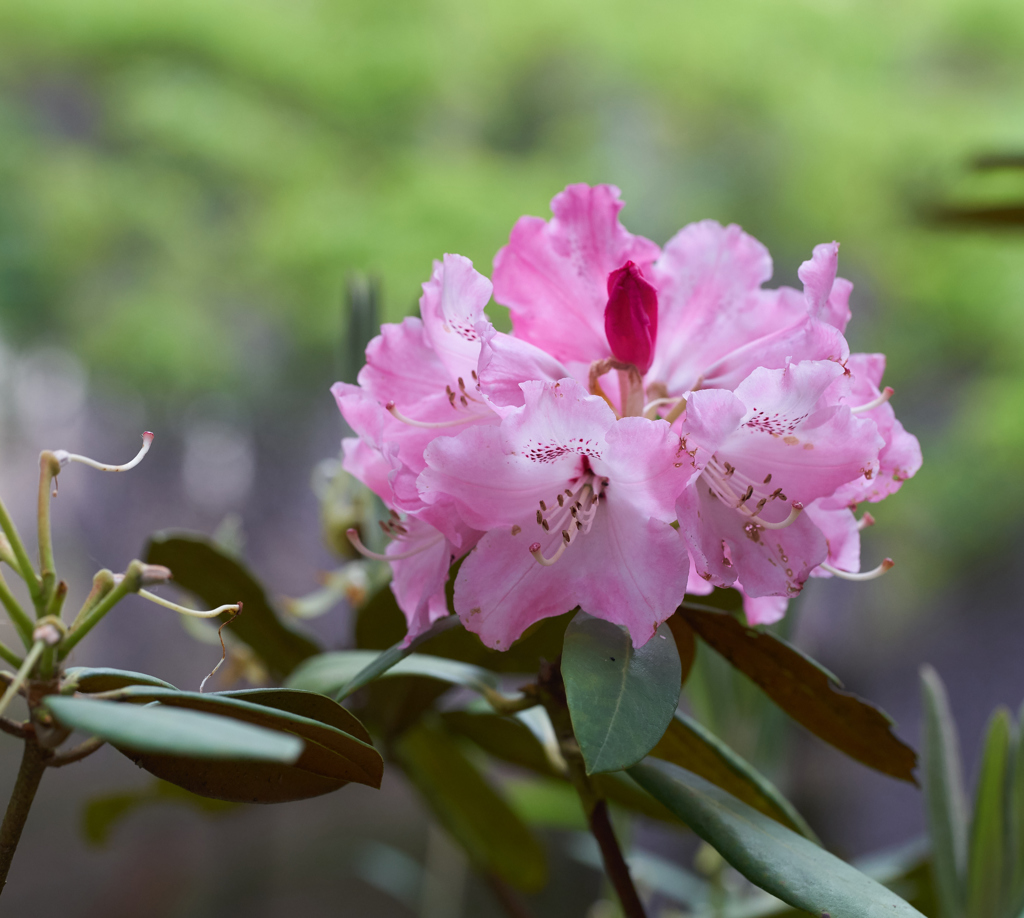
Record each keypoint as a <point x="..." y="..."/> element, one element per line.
<point x="25" y="787"/>
<point x="83" y="624"/>
<point x="19" y="679"/>
<point x="49" y="468"/>
<point x="27" y="572"/>
<point x="22" y="623"/>
<point x="552" y="693"/>
<point x="102" y="584"/>
<point x="9" y="655"/>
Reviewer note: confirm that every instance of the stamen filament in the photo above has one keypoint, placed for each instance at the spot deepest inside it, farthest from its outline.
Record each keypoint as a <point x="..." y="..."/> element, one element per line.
<point x="874" y="403"/>
<point x="865" y="575"/>
<point x="539" y="555"/>
<point x="794" y="512"/>
<point x="357" y="544"/>
<point x="64" y="457"/>
<point x="649" y="409"/>
<point x="184" y="610"/>
<point x="398" y="416"/>
<point x="866" y="520"/>
<point x="675" y="412"/>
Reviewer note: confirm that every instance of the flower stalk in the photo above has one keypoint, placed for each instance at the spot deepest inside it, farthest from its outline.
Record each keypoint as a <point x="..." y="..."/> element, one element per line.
<point x="595" y="808"/>
<point x="29" y="775"/>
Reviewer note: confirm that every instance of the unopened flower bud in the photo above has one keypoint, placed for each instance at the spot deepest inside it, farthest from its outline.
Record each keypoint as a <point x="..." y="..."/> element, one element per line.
<point x="631" y="317"/>
<point x="153" y="574"/>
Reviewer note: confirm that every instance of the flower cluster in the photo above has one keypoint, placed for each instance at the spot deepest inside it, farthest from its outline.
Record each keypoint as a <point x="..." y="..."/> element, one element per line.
<point x="658" y="422"/>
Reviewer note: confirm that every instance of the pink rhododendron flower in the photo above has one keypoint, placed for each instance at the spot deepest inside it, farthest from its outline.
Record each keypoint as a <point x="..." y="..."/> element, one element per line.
<point x="658" y="422"/>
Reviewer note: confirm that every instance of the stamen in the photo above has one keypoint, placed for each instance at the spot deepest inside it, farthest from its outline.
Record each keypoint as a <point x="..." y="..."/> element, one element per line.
<point x="184" y="610"/>
<point x="794" y="512"/>
<point x="747" y="494"/>
<point x="866" y="520"/>
<point x="865" y="575"/>
<point x="64" y="457"/>
<point x="874" y="403"/>
<point x="675" y="412"/>
<point x="547" y="562"/>
<point x="767" y="478"/>
<point x="357" y="544"/>
<point x="398" y="416"/>
<point x="650" y="409"/>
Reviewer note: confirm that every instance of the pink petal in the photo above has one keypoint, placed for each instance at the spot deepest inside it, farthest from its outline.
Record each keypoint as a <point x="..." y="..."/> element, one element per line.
<point x="505" y="362"/>
<point x="418" y="581"/>
<point x="452" y="305"/>
<point x="764" y="610"/>
<point x="828" y="297"/>
<point x="553" y="275"/>
<point x="628" y="569"/>
<point x="839" y="526"/>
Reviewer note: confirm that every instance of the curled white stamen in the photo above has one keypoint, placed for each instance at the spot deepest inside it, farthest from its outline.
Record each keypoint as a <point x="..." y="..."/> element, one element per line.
<point x="539" y="555"/>
<point x="649" y="409"/>
<point x="874" y="403"/>
<point x="866" y="520"/>
<point x="794" y="512"/>
<point x="398" y="416"/>
<point x="64" y="457"/>
<point x="357" y="544"/>
<point x="184" y="610"/>
<point x="865" y="575"/>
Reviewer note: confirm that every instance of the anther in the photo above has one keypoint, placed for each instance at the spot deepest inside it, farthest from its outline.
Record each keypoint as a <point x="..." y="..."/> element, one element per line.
<point x="874" y="403"/>
<point x="747" y="494"/>
<point x="64" y="457"/>
<point x="544" y="525"/>
<point x="540" y="517"/>
<point x="543" y="506"/>
<point x="566" y="536"/>
<point x="873" y="574"/>
<point x="767" y="478"/>
<point x="561" y="500"/>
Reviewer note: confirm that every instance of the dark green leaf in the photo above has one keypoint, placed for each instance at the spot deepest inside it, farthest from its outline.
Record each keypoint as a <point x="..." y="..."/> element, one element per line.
<point x="987" y="868"/>
<point x="102" y="814"/>
<point x="329" y="752"/>
<point x="807" y="692"/>
<point x="164" y="730"/>
<point x="767" y="853"/>
<point x="945" y="796"/>
<point x="217" y="579"/>
<point x="85" y="679"/>
<point x="621" y="699"/>
<point x="691" y="746"/>
<point x="308" y="704"/>
<point x="489" y="830"/>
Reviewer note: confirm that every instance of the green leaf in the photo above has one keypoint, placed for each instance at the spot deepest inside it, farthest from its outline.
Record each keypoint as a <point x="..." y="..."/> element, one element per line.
<point x="768" y="854"/>
<point x="621" y="699"/>
<point x="306" y="704"/>
<point x="987" y="868"/>
<point x="102" y="814"/>
<point x="1016" y="817"/>
<point x="945" y="797"/>
<point x="333" y="673"/>
<point x="89" y="680"/>
<point x="493" y="836"/>
<point x="546" y="803"/>
<point x="164" y="730"/>
<point x="200" y="567"/>
<point x="807" y="692"/>
<point x="692" y="746"/>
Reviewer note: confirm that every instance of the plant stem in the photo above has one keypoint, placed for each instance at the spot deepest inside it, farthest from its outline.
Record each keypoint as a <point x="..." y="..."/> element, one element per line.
<point x="26" y="670"/>
<point x="10" y="656"/>
<point x="552" y="692"/>
<point x="27" y="572"/>
<point x="83" y="624"/>
<point x="22" y="623"/>
<point x="49" y="468"/>
<point x="29" y="775"/>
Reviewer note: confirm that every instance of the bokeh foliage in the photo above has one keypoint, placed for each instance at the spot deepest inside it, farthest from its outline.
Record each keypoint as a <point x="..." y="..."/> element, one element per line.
<point x="184" y="186"/>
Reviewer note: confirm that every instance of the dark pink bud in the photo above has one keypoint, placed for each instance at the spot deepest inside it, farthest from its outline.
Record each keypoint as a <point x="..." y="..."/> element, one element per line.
<point x="631" y="317"/>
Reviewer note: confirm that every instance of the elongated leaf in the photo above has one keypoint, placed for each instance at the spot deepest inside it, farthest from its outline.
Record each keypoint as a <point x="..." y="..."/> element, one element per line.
<point x="381" y="625"/>
<point x="330" y="752"/>
<point x="218" y="579"/>
<point x="768" y="854"/>
<point x="1016" y="817"/>
<point x="88" y="680"/>
<point x="807" y="692"/>
<point x="945" y="796"/>
<point x="174" y="732"/>
<point x="102" y="814"/>
<point x="307" y="704"/>
<point x="691" y="746"/>
<point x="987" y="867"/>
<point x="489" y="830"/>
<point x="621" y="699"/>
<point x="330" y="673"/>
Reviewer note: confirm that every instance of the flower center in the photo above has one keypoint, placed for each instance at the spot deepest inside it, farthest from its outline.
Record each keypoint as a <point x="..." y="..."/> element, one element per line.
<point x="572" y="511"/>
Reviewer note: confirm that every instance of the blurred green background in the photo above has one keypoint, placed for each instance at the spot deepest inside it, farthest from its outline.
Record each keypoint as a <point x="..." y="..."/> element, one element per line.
<point x="186" y="186"/>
